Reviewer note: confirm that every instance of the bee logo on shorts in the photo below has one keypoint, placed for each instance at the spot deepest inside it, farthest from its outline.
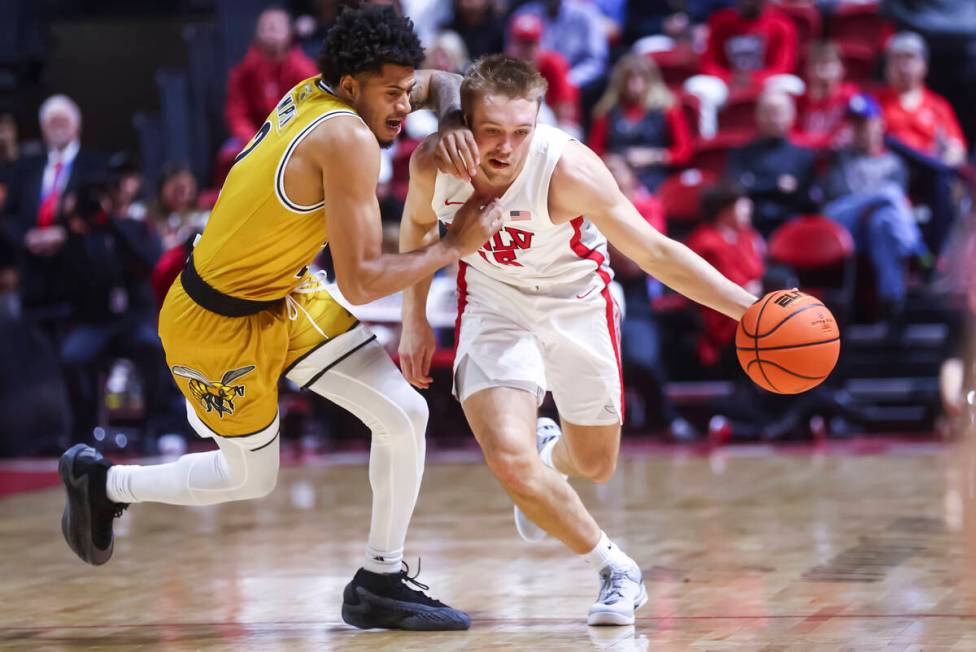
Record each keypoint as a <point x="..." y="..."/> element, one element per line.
<point x="214" y="396"/>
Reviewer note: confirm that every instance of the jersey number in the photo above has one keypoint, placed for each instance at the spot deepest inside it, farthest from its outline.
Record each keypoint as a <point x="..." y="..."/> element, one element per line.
<point x="258" y="137"/>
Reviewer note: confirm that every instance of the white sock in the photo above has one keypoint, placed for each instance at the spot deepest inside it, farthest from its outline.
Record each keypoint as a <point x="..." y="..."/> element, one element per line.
<point x="606" y="553"/>
<point x="546" y="456"/>
<point x="380" y="561"/>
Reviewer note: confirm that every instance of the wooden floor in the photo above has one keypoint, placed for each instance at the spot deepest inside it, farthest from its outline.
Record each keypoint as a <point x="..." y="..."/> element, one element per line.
<point x="744" y="550"/>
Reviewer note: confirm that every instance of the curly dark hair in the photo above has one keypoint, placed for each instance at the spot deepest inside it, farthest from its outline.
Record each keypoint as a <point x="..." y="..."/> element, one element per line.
<point x="364" y="39"/>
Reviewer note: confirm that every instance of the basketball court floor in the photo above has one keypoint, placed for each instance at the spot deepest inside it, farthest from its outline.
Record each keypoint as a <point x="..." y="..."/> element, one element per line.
<point x="859" y="546"/>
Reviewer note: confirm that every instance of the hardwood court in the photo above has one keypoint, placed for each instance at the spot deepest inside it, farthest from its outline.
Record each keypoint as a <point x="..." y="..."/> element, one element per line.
<point x="747" y="550"/>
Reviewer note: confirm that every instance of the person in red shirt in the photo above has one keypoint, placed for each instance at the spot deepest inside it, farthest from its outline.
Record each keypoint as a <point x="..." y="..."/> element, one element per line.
<point x="915" y="115"/>
<point x="271" y="67"/>
<point x="639" y="119"/>
<point x="923" y="129"/>
<point x="822" y="110"/>
<point x="727" y="241"/>
<point x="562" y="95"/>
<point x="749" y="44"/>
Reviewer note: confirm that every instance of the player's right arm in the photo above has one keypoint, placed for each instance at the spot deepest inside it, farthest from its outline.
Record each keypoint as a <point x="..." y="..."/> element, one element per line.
<point x="418" y="229"/>
<point x="349" y="158"/>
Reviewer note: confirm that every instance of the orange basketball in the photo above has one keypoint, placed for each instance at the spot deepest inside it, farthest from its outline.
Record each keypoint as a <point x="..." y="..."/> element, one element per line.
<point x="788" y="342"/>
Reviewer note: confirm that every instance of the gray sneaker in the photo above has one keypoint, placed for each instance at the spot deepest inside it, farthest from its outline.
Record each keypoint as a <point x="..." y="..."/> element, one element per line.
<point x="622" y="593"/>
<point x="545" y="431"/>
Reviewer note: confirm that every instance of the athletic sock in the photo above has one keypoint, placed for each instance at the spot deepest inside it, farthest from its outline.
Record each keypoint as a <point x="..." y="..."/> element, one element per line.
<point x="546" y="456"/>
<point x="607" y="553"/>
<point x="379" y="561"/>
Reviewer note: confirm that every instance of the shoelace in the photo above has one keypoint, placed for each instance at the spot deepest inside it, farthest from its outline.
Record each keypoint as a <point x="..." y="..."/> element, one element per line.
<point x="613" y="585"/>
<point x="312" y="283"/>
<point x="421" y="587"/>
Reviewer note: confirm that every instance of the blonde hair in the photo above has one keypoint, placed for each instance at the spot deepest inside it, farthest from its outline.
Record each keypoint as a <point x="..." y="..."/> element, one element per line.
<point x="657" y="97"/>
<point x="502" y="75"/>
<point x="453" y="45"/>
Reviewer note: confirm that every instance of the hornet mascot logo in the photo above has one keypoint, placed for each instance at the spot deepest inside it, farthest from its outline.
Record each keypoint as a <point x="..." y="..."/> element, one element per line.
<point x="214" y="396"/>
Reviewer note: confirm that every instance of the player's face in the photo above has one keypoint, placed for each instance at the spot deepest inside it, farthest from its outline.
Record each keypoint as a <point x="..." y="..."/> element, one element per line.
<point x="383" y="100"/>
<point x="503" y="128"/>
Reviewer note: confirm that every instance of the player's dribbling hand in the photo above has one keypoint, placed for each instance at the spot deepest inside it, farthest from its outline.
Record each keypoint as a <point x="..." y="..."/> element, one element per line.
<point x="456" y="151"/>
<point x="475" y="223"/>
<point x="417" y="344"/>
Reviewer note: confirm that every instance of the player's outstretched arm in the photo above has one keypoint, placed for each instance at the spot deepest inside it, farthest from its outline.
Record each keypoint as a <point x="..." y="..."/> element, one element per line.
<point x="349" y="158"/>
<point x="455" y="149"/>
<point x="418" y="229"/>
<point x="582" y="184"/>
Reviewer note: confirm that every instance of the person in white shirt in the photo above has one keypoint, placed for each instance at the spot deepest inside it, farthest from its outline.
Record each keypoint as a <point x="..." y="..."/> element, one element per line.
<point x="535" y="312"/>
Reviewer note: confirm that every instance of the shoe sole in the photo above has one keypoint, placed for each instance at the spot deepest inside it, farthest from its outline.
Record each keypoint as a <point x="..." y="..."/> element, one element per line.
<point x="371" y="614"/>
<point x="615" y="618"/>
<point x="76" y="519"/>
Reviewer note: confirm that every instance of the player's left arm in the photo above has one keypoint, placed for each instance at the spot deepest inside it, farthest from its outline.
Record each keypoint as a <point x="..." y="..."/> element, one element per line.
<point x="582" y="184"/>
<point x="457" y="153"/>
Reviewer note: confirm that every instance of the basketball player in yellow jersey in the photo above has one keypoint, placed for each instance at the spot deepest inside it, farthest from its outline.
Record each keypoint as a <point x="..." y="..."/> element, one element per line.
<point x="246" y="310"/>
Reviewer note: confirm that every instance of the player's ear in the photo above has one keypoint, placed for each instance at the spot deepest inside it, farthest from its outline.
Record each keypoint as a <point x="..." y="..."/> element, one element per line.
<point x="350" y="86"/>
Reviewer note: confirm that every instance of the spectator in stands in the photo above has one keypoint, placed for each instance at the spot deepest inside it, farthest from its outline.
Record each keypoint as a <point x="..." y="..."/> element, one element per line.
<point x="572" y="28"/>
<point x="37" y="186"/>
<point x="127" y="190"/>
<point x="750" y="48"/>
<point x="822" y="110"/>
<point x="9" y="145"/>
<point x="562" y="96"/>
<point x="33" y="404"/>
<point x="480" y="25"/>
<point x="270" y="68"/>
<point x="775" y="173"/>
<point x="865" y="191"/>
<point x="728" y="241"/>
<point x="447" y="52"/>
<point x="175" y="214"/>
<point x="640" y="342"/>
<point x="923" y="128"/>
<point x="9" y="152"/>
<point x="108" y="261"/>
<point x="674" y="19"/>
<point x="639" y="118"/>
<point x="749" y="44"/>
<point x="949" y="29"/>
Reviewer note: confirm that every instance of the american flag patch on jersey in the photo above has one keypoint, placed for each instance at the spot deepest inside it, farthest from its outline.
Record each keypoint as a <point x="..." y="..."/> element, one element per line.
<point x="520" y="215"/>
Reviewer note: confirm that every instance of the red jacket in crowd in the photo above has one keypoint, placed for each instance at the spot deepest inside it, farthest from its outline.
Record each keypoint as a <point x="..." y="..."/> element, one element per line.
<point x="823" y="123"/>
<point x="256" y="85"/>
<point x="741" y="260"/>
<point x="924" y="127"/>
<point x="758" y="48"/>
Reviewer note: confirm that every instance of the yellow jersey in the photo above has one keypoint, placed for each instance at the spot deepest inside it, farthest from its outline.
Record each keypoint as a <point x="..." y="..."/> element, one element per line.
<point x="258" y="243"/>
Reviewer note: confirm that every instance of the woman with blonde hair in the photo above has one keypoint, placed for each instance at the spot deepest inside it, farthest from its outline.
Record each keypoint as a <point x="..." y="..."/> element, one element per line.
<point x="639" y="118"/>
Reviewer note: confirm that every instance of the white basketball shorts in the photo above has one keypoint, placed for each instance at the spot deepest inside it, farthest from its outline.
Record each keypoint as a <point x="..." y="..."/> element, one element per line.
<point x="562" y="338"/>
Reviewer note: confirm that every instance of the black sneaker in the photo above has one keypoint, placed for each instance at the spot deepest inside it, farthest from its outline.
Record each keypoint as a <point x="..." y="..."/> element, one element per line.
<point x="387" y="601"/>
<point x="88" y="513"/>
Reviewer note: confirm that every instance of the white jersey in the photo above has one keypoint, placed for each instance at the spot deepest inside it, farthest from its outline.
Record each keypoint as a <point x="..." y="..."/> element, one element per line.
<point x="531" y="251"/>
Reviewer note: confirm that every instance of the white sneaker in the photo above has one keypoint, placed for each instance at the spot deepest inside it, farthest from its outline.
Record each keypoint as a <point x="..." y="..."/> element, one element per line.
<point x="545" y="431"/>
<point x="621" y="594"/>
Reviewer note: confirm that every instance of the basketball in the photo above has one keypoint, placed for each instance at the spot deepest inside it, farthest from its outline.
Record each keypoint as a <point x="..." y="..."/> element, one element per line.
<point x="788" y="342"/>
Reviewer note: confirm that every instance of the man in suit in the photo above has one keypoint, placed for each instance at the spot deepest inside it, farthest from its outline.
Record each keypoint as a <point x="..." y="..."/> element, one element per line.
<point x="33" y="210"/>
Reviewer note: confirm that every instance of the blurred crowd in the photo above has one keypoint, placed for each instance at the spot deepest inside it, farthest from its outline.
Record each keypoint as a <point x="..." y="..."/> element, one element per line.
<point x="777" y="139"/>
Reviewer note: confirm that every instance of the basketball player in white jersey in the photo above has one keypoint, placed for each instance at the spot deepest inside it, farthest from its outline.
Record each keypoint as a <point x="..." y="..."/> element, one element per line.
<point x="535" y="312"/>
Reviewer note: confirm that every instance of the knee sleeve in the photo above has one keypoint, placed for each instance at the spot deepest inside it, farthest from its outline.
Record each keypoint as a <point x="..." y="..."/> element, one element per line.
<point x="368" y="384"/>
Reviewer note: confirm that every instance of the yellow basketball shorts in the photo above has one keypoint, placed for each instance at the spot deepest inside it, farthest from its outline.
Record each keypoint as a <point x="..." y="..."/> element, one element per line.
<point x="228" y="367"/>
